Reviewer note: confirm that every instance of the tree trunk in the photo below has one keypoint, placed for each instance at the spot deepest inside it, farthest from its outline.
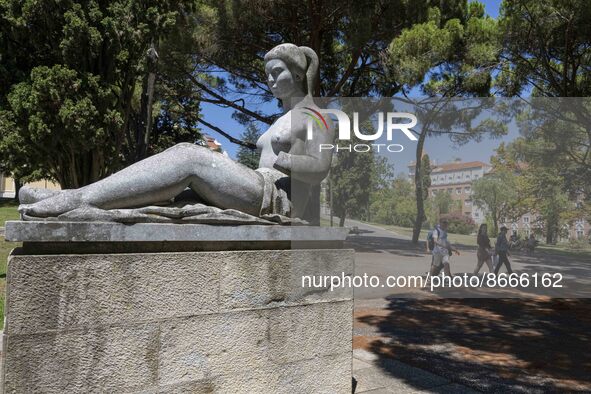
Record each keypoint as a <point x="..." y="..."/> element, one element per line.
<point x="550" y="232"/>
<point x="145" y="124"/>
<point x="495" y="222"/>
<point x="342" y="220"/>
<point x="330" y="196"/>
<point x="17" y="187"/>
<point x="420" y="218"/>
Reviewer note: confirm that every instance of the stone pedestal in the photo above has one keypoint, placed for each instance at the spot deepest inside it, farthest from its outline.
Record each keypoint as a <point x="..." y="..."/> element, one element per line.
<point x="162" y="308"/>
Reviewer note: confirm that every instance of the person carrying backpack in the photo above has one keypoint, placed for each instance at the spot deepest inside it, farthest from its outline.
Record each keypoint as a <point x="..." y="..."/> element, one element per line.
<point x="441" y="249"/>
<point x="430" y="244"/>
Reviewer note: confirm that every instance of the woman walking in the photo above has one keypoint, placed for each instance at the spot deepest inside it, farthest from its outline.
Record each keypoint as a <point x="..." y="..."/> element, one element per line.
<point x="502" y="249"/>
<point x="484" y="249"/>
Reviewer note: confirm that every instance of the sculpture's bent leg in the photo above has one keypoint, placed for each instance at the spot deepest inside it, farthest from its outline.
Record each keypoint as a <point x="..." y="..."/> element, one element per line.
<point x="214" y="177"/>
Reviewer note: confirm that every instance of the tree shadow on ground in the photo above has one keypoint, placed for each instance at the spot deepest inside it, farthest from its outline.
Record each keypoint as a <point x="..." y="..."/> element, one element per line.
<point x="396" y="246"/>
<point x="533" y="345"/>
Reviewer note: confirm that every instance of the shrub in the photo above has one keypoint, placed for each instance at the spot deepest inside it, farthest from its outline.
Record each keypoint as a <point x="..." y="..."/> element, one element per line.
<point x="578" y="243"/>
<point x="459" y="224"/>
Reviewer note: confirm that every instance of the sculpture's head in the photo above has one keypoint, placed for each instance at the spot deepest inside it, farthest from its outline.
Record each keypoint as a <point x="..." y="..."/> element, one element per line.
<point x="291" y="70"/>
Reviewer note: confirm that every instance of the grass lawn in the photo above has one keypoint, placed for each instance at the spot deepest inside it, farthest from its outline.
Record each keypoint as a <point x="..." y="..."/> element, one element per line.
<point x="7" y="212"/>
<point x="5" y="248"/>
<point x="469" y="240"/>
<point x="566" y="250"/>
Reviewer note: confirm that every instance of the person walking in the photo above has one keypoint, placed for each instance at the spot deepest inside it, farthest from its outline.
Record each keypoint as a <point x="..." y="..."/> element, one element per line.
<point x="531" y="244"/>
<point x="484" y="249"/>
<point x="502" y="249"/>
<point x="442" y="249"/>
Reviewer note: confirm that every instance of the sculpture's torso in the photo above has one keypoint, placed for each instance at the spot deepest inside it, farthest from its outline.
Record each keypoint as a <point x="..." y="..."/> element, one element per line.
<point x="281" y="137"/>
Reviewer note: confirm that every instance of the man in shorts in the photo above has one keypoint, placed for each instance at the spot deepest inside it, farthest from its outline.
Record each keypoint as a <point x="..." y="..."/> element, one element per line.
<point x="442" y="249"/>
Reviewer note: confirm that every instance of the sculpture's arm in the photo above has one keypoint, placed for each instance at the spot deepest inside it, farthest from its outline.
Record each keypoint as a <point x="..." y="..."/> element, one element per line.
<point x="312" y="166"/>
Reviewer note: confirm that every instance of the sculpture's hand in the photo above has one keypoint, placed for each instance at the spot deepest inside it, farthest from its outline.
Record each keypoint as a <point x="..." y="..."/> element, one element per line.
<point x="283" y="163"/>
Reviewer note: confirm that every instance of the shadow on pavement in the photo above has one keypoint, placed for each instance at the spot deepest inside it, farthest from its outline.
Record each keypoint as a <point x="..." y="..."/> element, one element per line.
<point x="396" y="246"/>
<point x="528" y="344"/>
<point x="499" y="345"/>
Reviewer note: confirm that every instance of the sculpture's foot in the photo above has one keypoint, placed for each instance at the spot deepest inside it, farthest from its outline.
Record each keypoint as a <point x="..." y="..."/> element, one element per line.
<point x="61" y="202"/>
<point x="31" y="195"/>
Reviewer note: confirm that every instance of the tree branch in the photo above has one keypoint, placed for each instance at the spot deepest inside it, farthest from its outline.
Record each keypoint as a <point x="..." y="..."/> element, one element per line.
<point x="347" y="73"/>
<point x="228" y="136"/>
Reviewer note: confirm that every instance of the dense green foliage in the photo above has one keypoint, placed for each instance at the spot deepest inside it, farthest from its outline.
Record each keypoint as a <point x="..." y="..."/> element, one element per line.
<point x="496" y="193"/>
<point x="350" y="184"/>
<point x="545" y="48"/>
<point x="72" y="85"/>
<point x="395" y="204"/>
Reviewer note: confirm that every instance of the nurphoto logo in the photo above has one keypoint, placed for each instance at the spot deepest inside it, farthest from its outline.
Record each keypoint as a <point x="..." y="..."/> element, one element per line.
<point x="392" y="121"/>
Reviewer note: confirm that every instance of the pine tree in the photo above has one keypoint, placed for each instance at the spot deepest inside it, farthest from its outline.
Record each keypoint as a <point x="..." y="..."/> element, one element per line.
<point x="249" y="157"/>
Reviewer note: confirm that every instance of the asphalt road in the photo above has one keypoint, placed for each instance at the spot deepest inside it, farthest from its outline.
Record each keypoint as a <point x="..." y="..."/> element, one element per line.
<point x="383" y="253"/>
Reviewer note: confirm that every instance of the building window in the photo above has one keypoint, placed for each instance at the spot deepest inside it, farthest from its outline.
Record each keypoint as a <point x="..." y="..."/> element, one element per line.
<point x="450" y="191"/>
<point x="476" y="214"/>
<point x="476" y="176"/>
<point x="468" y="203"/>
<point x="459" y="190"/>
<point x="467" y="189"/>
<point x="526" y="219"/>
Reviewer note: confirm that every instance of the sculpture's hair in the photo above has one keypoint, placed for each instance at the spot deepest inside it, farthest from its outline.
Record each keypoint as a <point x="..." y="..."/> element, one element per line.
<point x="301" y="61"/>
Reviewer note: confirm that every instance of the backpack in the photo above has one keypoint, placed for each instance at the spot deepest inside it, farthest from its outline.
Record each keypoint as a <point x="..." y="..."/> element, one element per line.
<point x="430" y="240"/>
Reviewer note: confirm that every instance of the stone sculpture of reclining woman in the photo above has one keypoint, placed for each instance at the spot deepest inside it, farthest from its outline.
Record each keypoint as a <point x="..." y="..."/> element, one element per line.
<point x="290" y="163"/>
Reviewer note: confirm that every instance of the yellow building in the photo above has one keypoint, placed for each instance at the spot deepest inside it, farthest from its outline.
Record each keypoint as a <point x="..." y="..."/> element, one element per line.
<point x="7" y="189"/>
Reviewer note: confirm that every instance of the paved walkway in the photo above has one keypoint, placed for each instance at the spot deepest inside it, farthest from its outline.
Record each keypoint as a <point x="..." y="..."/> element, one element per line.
<point x="377" y="376"/>
<point x="530" y="344"/>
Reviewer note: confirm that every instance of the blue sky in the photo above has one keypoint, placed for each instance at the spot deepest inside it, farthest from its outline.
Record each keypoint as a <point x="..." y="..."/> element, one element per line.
<point x="439" y="149"/>
<point x="492" y="7"/>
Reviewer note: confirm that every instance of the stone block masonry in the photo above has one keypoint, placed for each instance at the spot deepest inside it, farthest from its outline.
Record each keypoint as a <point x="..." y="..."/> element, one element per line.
<point x="202" y="322"/>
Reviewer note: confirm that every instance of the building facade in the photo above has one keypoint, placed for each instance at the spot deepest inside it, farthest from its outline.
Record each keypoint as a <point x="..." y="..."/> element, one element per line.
<point x="8" y="189"/>
<point x="531" y="223"/>
<point x="456" y="179"/>
<point x="210" y="142"/>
